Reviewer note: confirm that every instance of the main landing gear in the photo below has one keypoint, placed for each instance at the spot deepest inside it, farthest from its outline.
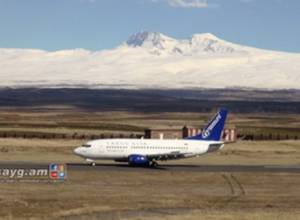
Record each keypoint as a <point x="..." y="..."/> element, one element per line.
<point x="153" y="163"/>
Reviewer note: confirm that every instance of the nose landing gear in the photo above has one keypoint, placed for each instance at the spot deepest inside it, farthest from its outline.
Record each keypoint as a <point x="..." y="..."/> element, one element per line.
<point x="92" y="162"/>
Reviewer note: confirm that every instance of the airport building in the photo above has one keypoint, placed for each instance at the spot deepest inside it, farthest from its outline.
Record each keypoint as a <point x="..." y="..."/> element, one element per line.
<point x="229" y="134"/>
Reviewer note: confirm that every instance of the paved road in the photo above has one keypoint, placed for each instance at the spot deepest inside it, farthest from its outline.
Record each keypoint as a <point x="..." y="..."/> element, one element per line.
<point x="184" y="168"/>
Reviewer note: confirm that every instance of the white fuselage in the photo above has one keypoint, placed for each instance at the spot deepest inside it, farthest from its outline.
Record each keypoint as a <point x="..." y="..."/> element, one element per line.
<point x="118" y="149"/>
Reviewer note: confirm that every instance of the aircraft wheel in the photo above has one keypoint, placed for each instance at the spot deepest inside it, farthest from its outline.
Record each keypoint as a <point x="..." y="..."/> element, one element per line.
<point x="154" y="164"/>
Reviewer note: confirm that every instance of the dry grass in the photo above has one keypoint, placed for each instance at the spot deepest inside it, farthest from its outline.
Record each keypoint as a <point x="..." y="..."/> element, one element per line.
<point x="154" y="194"/>
<point x="67" y="120"/>
<point x="38" y="150"/>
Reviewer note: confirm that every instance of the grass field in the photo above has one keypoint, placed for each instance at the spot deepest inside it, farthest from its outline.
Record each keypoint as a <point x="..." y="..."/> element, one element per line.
<point x="155" y="195"/>
<point x="149" y="194"/>
<point x="69" y="121"/>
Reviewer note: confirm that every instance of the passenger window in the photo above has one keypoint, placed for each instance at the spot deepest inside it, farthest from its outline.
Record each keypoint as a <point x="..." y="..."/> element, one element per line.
<point x="86" y="145"/>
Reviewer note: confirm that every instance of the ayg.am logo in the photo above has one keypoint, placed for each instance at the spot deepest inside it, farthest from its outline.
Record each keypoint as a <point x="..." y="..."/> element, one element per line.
<point x="57" y="171"/>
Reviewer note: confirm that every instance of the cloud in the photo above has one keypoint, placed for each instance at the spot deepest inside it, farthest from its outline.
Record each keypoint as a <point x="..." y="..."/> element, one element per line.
<point x="88" y="1"/>
<point x="187" y="3"/>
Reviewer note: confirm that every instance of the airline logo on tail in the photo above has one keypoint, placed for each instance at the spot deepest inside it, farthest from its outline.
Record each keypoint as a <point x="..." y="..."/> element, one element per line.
<point x="213" y="131"/>
<point x="206" y="132"/>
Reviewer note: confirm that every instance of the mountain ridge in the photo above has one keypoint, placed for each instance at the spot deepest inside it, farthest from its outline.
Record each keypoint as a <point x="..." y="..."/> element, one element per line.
<point x="153" y="60"/>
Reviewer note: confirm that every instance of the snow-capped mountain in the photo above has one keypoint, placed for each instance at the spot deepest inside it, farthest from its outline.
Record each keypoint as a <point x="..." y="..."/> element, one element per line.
<point x="198" y="44"/>
<point x="153" y="60"/>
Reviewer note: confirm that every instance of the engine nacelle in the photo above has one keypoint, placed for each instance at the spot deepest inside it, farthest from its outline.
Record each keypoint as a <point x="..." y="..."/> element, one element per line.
<point x="138" y="160"/>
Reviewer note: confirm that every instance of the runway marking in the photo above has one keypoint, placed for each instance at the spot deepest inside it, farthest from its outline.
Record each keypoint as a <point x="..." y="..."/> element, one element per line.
<point x="227" y="179"/>
<point x="234" y="178"/>
<point x="234" y="184"/>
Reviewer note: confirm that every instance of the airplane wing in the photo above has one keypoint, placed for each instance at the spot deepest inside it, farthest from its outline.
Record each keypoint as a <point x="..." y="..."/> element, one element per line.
<point x="169" y="156"/>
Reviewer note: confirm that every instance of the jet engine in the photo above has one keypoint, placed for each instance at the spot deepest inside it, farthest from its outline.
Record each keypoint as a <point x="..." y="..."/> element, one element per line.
<point x="138" y="160"/>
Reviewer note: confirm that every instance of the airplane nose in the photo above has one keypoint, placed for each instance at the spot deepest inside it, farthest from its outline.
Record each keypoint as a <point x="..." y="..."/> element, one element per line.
<point x="76" y="151"/>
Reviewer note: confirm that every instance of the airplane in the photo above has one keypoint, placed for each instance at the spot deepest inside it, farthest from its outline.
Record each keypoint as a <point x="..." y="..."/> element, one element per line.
<point x="146" y="152"/>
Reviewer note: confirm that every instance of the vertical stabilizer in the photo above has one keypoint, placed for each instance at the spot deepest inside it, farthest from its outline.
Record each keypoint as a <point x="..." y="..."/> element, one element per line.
<point x="213" y="131"/>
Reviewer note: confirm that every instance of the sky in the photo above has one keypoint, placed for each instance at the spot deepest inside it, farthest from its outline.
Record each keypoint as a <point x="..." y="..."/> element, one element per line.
<point x="103" y="24"/>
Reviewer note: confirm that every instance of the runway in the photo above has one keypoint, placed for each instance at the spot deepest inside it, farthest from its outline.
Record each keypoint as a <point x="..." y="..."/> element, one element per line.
<point x="160" y="168"/>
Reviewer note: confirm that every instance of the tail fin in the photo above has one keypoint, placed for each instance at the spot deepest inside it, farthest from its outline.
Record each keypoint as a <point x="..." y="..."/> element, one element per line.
<point x="213" y="131"/>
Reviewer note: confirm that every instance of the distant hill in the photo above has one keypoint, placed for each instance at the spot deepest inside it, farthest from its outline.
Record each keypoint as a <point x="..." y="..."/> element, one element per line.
<point x="153" y="100"/>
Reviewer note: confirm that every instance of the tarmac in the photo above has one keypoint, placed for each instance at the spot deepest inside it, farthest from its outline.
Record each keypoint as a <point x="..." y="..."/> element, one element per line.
<point x="163" y="167"/>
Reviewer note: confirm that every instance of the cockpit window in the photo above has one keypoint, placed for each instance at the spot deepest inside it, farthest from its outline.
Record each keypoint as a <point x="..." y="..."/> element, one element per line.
<point x="86" y="145"/>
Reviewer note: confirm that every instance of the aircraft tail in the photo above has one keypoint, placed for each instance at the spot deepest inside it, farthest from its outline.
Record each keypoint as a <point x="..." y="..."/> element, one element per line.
<point x="213" y="131"/>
